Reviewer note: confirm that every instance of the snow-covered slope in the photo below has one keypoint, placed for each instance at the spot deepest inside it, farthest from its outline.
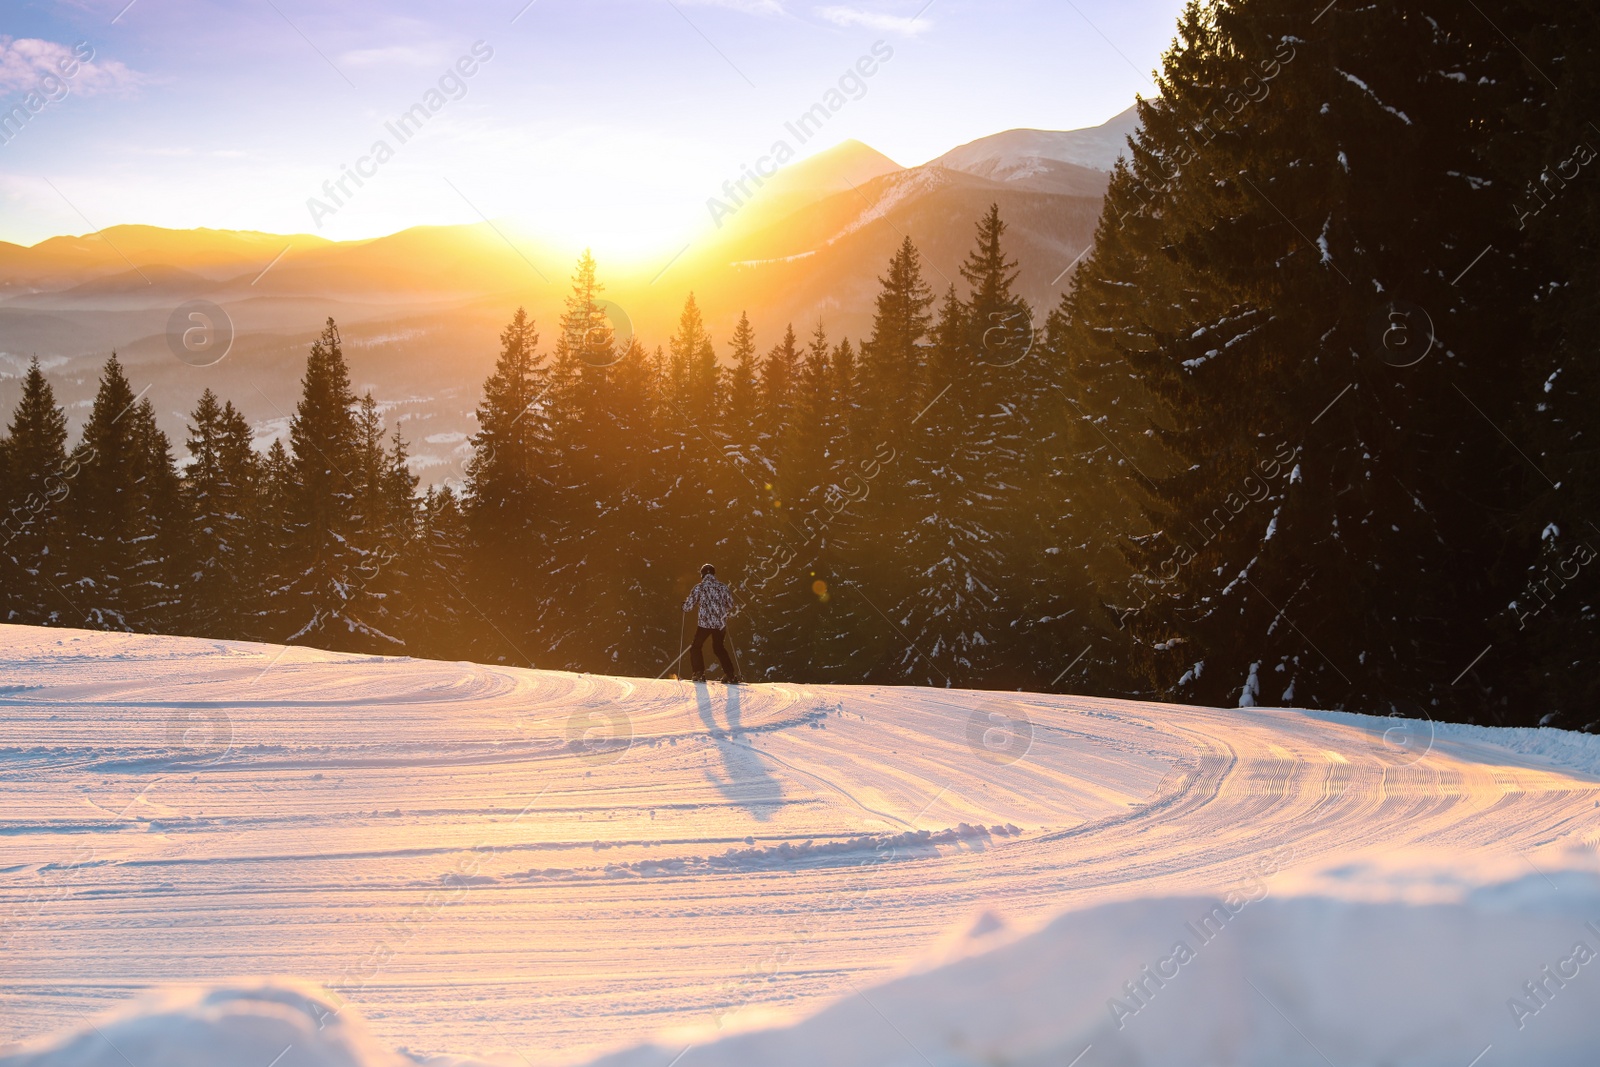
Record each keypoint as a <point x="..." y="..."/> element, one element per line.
<point x="535" y="867"/>
<point x="1020" y="154"/>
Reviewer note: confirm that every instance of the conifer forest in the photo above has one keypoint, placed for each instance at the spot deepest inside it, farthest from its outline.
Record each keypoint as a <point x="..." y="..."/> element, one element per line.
<point x="1288" y="439"/>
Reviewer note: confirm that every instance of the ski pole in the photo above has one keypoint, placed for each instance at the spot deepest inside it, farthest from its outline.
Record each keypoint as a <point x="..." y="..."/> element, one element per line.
<point x="734" y="652"/>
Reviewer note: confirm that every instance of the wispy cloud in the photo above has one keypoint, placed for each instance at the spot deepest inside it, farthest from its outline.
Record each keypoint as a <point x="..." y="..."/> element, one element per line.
<point x="400" y="55"/>
<point x="26" y="61"/>
<point x="910" y="25"/>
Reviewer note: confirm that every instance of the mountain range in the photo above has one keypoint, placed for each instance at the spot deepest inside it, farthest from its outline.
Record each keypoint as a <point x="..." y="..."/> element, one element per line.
<point x="420" y="310"/>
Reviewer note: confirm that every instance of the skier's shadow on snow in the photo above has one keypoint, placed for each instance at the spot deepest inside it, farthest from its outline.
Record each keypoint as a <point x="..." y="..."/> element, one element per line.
<point x="746" y="781"/>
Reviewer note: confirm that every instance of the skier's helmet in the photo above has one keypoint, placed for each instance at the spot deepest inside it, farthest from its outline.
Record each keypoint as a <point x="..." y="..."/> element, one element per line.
<point x="707" y="569"/>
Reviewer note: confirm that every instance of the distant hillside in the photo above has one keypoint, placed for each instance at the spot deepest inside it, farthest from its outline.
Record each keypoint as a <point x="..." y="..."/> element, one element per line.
<point x="421" y="309"/>
<point x="824" y="263"/>
<point x="835" y="170"/>
<point x="63" y="262"/>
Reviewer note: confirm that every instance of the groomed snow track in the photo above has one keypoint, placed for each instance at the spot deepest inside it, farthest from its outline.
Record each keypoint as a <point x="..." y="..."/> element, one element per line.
<point x="522" y="862"/>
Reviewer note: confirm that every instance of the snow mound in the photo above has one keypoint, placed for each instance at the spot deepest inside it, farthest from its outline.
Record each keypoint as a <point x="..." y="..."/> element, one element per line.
<point x="280" y="1022"/>
<point x="1249" y="981"/>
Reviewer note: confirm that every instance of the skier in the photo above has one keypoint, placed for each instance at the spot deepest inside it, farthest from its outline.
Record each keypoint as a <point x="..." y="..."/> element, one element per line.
<point x="715" y="602"/>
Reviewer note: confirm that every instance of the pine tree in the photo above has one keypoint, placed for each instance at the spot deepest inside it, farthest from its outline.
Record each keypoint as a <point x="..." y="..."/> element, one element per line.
<point x="1081" y="510"/>
<point x="706" y="479"/>
<point x="779" y="371"/>
<point x="579" y="374"/>
<point x="803" y="469"/>
<point x="1009" y="384"/>
<point x="583" y="523"/>
<point x="221" y="487"/>
<point x="998" y="318"/>
<point x="892" y="371"/>
<point x="639" y="572"/>
<point x="272" y="544"/>
<point x="36" y="477"/>
<point x="510" y="481"/>
<point x="884" y="492"/>
<point x="846" y="385"/>
<point x="694" y="367"/>
<point x="382" y="524"/>
<point x="120" y="569"/>
<point x="324" y="553"/>
<point x="438" y="617"/>
<point x="161" y="556"/>
<point x="966" y="471"/>
<point x="743" y="388"/>
<point x="930" y="612"/>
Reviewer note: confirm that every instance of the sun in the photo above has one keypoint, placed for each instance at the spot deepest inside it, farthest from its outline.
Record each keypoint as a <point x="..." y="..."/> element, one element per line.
<point x="623" y="233"/>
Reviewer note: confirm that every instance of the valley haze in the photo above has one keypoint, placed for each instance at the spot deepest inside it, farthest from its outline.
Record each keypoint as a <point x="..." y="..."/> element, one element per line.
<point x="421" y="309"/>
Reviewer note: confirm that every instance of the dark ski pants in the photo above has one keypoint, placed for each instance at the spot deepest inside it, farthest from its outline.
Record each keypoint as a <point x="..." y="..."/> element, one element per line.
<point x="697" y="652"/>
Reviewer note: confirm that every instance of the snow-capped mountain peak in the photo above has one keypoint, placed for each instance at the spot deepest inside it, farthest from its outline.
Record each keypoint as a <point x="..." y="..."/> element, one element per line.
<point x="1020" y="154"/>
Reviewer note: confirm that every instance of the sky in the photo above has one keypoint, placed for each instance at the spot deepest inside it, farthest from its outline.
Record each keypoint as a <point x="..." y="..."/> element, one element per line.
<point x="607" y="122"/>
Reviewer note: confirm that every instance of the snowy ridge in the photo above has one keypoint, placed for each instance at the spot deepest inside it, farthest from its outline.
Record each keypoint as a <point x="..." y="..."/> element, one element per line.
<point x="1554" y="748"/>
<point x="1016" y="155"/>
<point x="895" y="190"/>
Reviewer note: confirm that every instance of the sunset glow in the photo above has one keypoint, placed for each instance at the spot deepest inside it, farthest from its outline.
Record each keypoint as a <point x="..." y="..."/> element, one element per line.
<point x="609" y="124"/>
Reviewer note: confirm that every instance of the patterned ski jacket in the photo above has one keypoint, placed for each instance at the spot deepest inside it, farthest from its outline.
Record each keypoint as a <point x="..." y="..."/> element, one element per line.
<point x="714" y="600"/>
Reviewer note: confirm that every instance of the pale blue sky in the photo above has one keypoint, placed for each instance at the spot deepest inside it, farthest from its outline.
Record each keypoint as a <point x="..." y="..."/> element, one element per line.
<point x="608" y="121"/>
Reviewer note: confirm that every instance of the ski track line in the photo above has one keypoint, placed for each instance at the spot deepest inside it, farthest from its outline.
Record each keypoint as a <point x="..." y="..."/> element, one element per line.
<point x="827" y="784"/>
<point x="441" y="844"/>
